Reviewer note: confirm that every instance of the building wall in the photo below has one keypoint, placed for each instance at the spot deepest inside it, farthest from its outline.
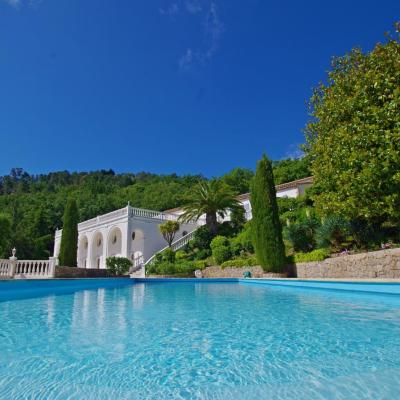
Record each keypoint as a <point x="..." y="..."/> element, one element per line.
<point x="119" y="233"/>
<point x="291" y="193"/>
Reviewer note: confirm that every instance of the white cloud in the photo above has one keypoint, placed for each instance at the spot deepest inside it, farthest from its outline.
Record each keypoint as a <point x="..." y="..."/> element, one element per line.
<point x="13" y="3"/>
<point x="193" y="6"/>
<point x="294" y="151"/>
<point x="206" y="11"/>
<point x="19" y="3"/>
<point x="214" y="29"/>
<point x="186" y="60"/>
<point x="171" y="10"/>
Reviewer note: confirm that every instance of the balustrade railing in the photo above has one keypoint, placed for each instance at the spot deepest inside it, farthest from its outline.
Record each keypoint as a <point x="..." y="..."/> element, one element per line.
<point x="35" y="268"/>
<point x="132" y="212"/>
<point x="39" y="269"/>
<point x="5" y="268"/>
<point x="178" y="244"/>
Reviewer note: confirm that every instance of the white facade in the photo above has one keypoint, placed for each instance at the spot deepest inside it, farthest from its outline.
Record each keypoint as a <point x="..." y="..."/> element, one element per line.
<point x="129" y="232"/>
<point x="134" y="232"/>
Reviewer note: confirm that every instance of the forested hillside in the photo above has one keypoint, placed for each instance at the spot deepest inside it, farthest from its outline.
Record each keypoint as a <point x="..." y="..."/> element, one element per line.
<point x="31" y="206"/>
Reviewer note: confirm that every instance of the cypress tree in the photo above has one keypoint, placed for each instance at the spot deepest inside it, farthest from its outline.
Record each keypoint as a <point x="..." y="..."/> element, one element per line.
<point x="69" y="238"/>
<point x="265" y="225"/>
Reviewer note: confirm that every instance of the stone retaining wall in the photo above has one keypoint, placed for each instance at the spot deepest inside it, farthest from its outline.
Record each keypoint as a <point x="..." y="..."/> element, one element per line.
<point x="232" y="272"/>
<point x="384" y="264"/>
<point x="69" y="272"/>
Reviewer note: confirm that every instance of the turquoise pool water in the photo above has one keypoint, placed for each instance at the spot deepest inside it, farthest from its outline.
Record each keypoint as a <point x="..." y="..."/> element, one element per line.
<point x="117" y="340"/>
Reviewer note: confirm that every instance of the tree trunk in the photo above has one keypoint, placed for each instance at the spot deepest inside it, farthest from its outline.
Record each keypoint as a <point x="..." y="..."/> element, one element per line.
<point x="211" y="222"/>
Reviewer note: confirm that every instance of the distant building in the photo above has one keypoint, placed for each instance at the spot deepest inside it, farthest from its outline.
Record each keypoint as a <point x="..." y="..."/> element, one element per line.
<point x="291" y="190"/>
<point x="134" y="232"/>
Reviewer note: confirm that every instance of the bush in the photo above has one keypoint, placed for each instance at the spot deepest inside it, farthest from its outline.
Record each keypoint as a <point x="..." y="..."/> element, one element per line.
<point x="200" y="264"/>
<point x="221" y="250"/>
<point x="118" y="265"/>
<point x="202" y="254"/>
<point x="315" y="255"/>
<point x="202" y="238"/>
<point x="242" y="242"/>
<point x="301" y="235"/>
<point x="240" y="262"/>
<point x="186" y="268"/>
<point x="332" y="232"/>
<point x="168" y="255"/>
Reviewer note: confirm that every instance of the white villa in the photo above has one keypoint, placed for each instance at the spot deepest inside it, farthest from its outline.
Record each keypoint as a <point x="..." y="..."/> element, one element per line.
<point x="134" y="232"/>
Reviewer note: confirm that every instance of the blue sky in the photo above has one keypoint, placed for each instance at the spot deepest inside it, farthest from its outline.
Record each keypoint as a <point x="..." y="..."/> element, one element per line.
<point x="186" y="86"/>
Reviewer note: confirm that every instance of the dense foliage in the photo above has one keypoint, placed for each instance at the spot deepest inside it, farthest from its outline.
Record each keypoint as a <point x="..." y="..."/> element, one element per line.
<point x="33" y="205"/>
<point x="118" y="265"/>
<point x="315" y="255"/>
<point x="265" y="225"/>
<point x="221" y="249"/>
<point x="353" y="138"/>
<point x="69" y="238"/>
<point x="5" y="236"/>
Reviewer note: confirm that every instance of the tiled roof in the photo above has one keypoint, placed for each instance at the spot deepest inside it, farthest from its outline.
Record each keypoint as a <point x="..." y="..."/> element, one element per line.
<point x="284" y="186"/>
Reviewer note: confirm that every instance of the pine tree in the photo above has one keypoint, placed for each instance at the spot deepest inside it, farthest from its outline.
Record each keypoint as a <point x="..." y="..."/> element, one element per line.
<point x="266" y="227"/>
<point x="69" y="238"/>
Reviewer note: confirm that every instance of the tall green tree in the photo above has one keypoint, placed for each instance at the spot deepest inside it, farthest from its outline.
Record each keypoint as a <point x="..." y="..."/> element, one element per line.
<point x="69" y="238"/>
<point x="353" y="137"/>
<point x="265" y="225"/>
<point x="168" y="230"/>
<point x="5" y="236"/>
<point x="211" y="198"/>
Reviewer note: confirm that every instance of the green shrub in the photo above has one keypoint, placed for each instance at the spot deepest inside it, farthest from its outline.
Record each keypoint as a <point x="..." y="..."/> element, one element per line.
<point x="200" y="264"/>
<point x="332" y="232"/>
<point x="202" y="254"/>
<point x="243" y="242"/>
<point x="301" y="235"/>
<point x="168" y="255"/>
<point x="221" y="250"/>
<point x="240" y="262"/>
<point x="180" y="255"/>
<point x="315" y="255"/>
<point x="202" y="238"/>
<point x="185" y="268"/>
<point x="118" y="265"/>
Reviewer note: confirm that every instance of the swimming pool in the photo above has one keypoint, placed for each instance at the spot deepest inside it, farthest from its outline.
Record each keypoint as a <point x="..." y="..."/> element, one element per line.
<point x="211" y="340"/>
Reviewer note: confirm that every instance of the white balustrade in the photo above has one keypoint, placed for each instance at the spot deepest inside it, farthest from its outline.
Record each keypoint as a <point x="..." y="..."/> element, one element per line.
<point x="132" y="212"/>
<point x="5" y="268"/>
<point x="178" y="244"/>
<point x="35" y="269"/>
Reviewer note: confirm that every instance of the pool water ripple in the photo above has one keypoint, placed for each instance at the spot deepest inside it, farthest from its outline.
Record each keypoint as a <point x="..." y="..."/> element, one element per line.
<point x="200" y="341"/>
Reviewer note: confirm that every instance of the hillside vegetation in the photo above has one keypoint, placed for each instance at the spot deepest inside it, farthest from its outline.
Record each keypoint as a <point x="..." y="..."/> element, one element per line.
<point x="32" y="206"/>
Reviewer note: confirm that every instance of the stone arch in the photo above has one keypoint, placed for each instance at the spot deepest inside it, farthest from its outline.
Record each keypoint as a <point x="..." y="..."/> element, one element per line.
<point x="83" y="248"/>
<point x="114" y="242"/>
<point x="97" y="250"/>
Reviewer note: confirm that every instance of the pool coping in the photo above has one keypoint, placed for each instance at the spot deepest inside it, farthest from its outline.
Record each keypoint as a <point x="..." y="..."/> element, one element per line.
<point x="356" y="286"/>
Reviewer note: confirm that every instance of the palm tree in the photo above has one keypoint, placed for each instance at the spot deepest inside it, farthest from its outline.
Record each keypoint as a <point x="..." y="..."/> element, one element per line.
<point x="212" y="198"/>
